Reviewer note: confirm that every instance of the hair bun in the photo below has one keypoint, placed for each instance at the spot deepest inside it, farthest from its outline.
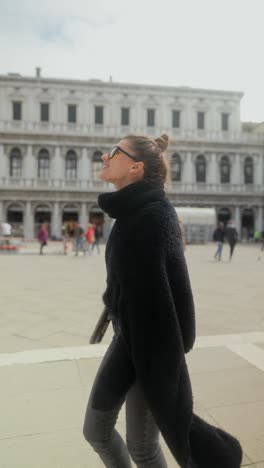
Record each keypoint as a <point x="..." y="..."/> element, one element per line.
<point x="162" y="142"/>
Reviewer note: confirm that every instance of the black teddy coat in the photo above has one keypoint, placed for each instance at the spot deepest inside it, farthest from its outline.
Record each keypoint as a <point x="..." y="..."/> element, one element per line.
<point x="150" y="298"/>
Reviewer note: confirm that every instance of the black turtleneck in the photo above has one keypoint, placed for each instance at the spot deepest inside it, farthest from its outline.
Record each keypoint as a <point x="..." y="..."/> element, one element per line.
<point x="128" y="199"/>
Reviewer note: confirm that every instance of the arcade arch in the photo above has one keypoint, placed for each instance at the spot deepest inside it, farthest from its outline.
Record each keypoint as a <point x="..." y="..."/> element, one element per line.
<point x="15" y="217"/>
<point x="42" y="214"/>
<point x="248" y="223"/>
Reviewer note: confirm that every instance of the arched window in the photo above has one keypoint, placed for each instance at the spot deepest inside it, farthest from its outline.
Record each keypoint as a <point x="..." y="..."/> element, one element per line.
<point x="225" y="170"/>
<point x="43" y="164"/>
<point x="248" y="171"/>
<point x="71" y="165"/>
<point x="200" y="167"/>
<point x="15" y="169"/>
<point x="176" y="167"/>
<point x="97" y="164"/>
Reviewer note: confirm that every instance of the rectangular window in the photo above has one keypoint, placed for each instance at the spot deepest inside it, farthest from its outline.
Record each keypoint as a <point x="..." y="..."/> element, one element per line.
<point x="72" y="113"/>
<point x="150" y="117"/>
<point x="176" y="119"/>
<point x="200" y="120"/>
<point x="125" y="116"/>
<point x="99" y="114"/>
<point x="17" y="110"/>
<point x="44" y="112"/>
<point x="225" y="122"/>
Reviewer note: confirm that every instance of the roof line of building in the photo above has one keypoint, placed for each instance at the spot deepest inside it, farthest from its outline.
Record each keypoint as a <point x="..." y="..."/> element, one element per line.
<point x="114" y="84"/>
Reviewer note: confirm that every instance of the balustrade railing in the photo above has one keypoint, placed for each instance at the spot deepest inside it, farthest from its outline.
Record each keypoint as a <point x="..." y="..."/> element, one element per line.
<point x="179" y="187"/>
<point x="54" y="184"/>
<point x="113" y="130"/>
<point x="97" y="186"/>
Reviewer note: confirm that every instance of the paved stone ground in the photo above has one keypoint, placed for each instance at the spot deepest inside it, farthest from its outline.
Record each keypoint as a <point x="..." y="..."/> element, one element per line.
<point x="48" y="306"/>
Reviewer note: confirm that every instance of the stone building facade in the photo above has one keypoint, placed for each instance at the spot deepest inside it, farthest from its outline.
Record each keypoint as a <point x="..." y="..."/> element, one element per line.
<point x="54" y="131"/>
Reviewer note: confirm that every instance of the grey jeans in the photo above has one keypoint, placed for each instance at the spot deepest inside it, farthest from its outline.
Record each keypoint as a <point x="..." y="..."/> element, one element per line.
<point x="115" y="384"/>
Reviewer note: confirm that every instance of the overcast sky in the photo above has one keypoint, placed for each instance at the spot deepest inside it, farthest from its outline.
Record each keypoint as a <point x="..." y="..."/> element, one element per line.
<point x="216" y="44"/>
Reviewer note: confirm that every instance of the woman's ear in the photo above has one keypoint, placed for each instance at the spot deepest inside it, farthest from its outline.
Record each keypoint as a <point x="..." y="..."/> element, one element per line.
<point x="138" y="166"/>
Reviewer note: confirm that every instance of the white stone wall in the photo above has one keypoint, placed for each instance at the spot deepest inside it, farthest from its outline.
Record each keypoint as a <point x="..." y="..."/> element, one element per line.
<point x="113" y="96"/>
<point x="85" y="137"/>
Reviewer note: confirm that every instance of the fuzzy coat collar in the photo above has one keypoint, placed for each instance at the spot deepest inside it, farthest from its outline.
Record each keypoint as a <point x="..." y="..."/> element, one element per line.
<point x="130" y="198"/>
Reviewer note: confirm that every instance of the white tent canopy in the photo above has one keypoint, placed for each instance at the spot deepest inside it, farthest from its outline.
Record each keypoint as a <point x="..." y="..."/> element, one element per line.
<point x="201" y="216"/>
<point x="199" y="223"/>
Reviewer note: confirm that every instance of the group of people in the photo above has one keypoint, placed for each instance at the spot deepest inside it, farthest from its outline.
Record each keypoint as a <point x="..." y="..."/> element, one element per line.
<point x="222" y="234"/>
<point x="84" y="241"/>
<point x="73" y="234"/>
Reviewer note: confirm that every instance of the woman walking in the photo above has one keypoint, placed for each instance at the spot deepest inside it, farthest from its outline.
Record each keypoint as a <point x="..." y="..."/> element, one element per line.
<point x="42" y="237"/>
<point x="150" y="301"/>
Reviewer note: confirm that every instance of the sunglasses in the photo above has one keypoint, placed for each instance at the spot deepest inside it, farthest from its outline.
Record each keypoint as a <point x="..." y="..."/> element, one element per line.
<point x="116" y="149"/>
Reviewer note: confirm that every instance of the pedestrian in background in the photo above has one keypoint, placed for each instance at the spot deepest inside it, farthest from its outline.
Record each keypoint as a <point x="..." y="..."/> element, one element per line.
<point x="79" y="237"/>
<point x="98" y="233"/>
<point x="219" y="237"/>
<point x="42" y="237"/>
<point x="90" y="237"/>
<point x="231" y="235"/>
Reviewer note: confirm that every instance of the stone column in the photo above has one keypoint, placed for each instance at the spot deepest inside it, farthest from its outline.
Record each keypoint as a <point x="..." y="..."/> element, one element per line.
<point x="2" y="212"/>
<point x="56" y="221"/>
<point x="3" y="165"/>
<point x="30" y="166"/>
<point x="259" y="219"/>
<point x="213" y="171"/>
<point x="236" y="170"/>
<point x="28" y="221"/>
<point x="259" y="171"/>
<point x="84" y="168"/>
<point x="89" y="165"/>
<point x="188" y="169"/>
<point x="84" y="216"/>
<point x="237" y="220"/>
<point x="58" y="168"/>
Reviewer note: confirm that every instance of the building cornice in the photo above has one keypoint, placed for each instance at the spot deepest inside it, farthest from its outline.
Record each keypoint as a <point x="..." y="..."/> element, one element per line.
<point x="110" y="85"/>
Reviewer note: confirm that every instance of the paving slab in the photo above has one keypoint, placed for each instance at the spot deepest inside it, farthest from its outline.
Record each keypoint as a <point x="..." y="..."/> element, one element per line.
<point x="39" y="412"/>
<point x="52" y="303"/>
<point x="55" y="417"/>
<point x="246" y="423"/>
<point x="27" y="379"/>
<point x="229" y="387"/>
<point x="13" y="343"/>
<point x="261" y="345"/>
<point x="212" y="360"/>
